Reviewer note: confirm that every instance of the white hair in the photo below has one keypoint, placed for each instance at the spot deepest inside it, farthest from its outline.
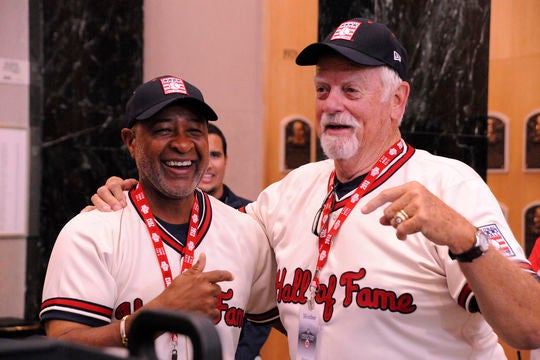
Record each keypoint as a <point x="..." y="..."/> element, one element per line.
<point x="390" y="81"/>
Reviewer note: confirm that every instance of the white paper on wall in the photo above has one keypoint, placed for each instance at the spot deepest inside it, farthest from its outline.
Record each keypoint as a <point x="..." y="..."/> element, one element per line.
<point x="14" y="182"/>
<point x="14" y="71"/>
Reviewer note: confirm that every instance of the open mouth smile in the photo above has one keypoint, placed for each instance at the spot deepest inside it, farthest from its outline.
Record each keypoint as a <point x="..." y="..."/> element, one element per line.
<point x="172" y="163"/>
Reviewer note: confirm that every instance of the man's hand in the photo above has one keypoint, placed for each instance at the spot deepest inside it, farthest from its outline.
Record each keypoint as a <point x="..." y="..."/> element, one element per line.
<point x="110" y="197"/>
<point x="194" y="290"/>
<point x="421" y="211"/>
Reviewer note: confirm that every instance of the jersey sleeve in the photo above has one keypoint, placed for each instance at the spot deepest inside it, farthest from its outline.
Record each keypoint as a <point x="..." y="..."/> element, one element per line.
<point x="262" y="305"/>
<point x="261" y="209"/>
<point x="270" y="210"/>
<point x="472" y="198"/>
<point x="79" y="285"/>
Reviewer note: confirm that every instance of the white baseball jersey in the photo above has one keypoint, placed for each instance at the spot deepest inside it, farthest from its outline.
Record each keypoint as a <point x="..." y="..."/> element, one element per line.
<point x="103" y="266"/>
<point x="380" y="297"/>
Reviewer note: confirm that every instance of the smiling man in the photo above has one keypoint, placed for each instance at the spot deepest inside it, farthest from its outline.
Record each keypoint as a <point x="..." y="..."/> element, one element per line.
<point x="153" y="253"/>
<point x="385" y="250"/>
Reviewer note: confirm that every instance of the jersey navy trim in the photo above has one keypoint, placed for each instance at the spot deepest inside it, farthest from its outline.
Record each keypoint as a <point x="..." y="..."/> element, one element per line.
<point x="205" y="214"/>
<point x="467" y="300"/>
<point x="74" y="306"/>
<point x="73" y="317"/>
<point x="396" y="164"/>
<point x="465" y="296"/>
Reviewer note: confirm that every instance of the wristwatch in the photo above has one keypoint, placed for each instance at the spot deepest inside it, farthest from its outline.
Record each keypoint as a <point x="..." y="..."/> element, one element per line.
<point x="480" y="246"/>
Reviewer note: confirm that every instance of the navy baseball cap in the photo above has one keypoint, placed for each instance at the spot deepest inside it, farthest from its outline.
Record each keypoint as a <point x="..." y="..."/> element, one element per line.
<point x="362" y="41"/>
<point x="152" y="96"/>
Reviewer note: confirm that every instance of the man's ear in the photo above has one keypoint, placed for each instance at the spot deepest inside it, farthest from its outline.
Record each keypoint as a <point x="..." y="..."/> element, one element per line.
<point x="399" y="100"/>
<point x="128" y="137"/>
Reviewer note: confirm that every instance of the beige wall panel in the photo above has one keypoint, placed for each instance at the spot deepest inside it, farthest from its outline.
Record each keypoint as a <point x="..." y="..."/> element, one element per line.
<point x="514" y="28"/>
<point x="288" y="88"/>
<point x="216" y="45"/>
<point x="514" y="90"/>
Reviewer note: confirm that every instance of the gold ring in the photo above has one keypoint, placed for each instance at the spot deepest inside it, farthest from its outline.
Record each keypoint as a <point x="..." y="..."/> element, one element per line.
<point x="400" y="217"/>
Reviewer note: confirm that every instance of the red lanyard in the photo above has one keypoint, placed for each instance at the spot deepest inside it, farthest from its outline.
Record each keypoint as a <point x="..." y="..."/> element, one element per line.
<point x="326" y="235"/>
<point x="156" y="234"/>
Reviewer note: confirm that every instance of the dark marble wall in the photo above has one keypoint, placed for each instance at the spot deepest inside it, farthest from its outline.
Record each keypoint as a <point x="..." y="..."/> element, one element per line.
<point x="448" y="48"/>
<point x="86" y="59"/>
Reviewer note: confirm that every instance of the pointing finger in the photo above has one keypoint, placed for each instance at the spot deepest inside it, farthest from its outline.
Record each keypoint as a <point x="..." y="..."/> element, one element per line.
<point x="216" y="276"/>
<point x="384" y="197"/>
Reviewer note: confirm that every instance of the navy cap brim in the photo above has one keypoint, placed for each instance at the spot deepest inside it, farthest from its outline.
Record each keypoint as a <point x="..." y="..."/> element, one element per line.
<point x="204" y="109"/>
<point x="311" y="54"/>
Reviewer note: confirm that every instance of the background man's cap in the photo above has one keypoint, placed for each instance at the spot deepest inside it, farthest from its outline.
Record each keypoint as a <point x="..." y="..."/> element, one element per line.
<point x="362" y="41"/>
<point x="152" y="96"/>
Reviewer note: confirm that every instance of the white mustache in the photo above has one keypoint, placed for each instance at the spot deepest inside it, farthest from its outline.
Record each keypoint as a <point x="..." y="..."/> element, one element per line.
<point x="344" y="119"/>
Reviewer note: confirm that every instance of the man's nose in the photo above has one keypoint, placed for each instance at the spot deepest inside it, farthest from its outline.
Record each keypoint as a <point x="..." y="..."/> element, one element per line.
<point x="333" y="103"/>
<point x="182" y="143"/>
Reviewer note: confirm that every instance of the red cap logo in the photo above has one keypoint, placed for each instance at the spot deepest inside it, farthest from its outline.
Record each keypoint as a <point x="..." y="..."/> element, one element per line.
<point x="173" y="85"/>
<point x="346" y="30"/>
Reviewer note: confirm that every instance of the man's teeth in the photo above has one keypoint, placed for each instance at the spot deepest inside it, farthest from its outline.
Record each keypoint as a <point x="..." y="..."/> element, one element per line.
<point x="178" y="163"/>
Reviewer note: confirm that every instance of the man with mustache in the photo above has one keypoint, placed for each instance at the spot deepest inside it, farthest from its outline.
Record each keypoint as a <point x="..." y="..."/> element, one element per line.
<point x="385" y="251"/>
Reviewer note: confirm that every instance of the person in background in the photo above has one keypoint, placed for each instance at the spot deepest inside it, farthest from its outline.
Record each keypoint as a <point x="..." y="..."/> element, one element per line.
<point x="253" y="336"/>
<point x="107" y="266"/>
<point x="212" y="180"/>
<point x="534" y="232"/>
<point x="385" y="250"/>
<point x="534" y="258"/>
<point x="532" y="227"/>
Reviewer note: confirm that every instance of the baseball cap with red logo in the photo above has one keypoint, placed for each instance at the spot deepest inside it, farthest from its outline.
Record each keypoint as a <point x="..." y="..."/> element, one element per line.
<point x="154" y="95"/>
<point x="362" y="41"/>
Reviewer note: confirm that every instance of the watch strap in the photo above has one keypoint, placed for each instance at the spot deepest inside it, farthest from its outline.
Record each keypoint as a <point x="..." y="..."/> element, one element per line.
<point x="480" y="246"/>
<point x="467" y="256"/>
